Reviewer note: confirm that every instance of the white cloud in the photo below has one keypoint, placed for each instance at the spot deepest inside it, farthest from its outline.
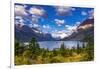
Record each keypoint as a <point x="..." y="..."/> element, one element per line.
<point x="37" y="11"/>
<point x="91" y="14"/>
<point x="91" y="17"/>
<point x="35" y="19"/>
<point x="56" y="35"/>
<point x="83" y="13"/>
<point x="63" y="35"/>
<point x="18" y="17"/>
<point x="20" y="10"/>
<point x="46" y="27"/>
<point x="71" y="27"/>
<point x="67" y="26"/>
<point x="59" y="22"/>
<point x="68" y="30"/>
<point x="60" y="34"/>
<point x="63" y="10"/>
<point x="34" y="25"/>
<point x="73" y="9"/>
<point x="77" y="23"/>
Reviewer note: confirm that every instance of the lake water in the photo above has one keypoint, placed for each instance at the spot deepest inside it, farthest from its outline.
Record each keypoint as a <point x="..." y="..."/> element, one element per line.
<point x="56" y="44"/>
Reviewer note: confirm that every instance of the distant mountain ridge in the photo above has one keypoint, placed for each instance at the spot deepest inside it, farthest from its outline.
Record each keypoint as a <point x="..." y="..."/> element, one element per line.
<point x="25" y="34"/>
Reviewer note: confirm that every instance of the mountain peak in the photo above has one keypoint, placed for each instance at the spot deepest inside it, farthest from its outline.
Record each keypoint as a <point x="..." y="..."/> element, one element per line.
<point x="86" y="24"/>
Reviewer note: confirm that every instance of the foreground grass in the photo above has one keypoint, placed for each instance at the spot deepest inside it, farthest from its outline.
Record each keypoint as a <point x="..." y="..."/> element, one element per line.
<point x="19" y="60"/>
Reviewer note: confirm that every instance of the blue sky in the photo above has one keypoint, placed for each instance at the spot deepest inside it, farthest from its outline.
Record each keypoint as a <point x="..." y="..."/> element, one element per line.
<point x="57" y="20"/>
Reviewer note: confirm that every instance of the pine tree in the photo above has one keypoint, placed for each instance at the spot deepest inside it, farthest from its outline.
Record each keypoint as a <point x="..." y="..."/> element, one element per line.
<point x="34" y="47"/>
<point x="83" y="46"/>
<point x="63" y="49"/>
<point x="18" y="48"/>
<point x="78" y="48"/>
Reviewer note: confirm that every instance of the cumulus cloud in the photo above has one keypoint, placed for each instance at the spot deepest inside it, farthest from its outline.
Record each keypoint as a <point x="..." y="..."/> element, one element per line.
<point x="20" y="10"/>
<point x="56" y="35"/>
<point x="77" y="23"/>
<point x="73" y="9"/>
<point x="34" y="25"/>
<point x="91" y="14"/>
<point x="46" y="27"/>
<point x="63" y="10"/>
<point x="83" y="13"/>
<point x="59" y="22"/>
<point x="35" y="19"/>
<point x="18" y="17"/>
<point x="60" y="34"/>
<point x="37" y="11"/>
<point x="70" y="28"/>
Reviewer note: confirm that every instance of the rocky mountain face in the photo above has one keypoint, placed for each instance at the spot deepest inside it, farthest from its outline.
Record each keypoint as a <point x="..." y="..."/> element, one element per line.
<point x="84" y="29"/>
<point x="25" y="34"/>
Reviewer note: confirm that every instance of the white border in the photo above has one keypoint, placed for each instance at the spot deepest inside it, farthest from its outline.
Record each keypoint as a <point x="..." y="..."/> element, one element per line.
<point x="12" y="35"/>
<point x="73" y="3"/>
